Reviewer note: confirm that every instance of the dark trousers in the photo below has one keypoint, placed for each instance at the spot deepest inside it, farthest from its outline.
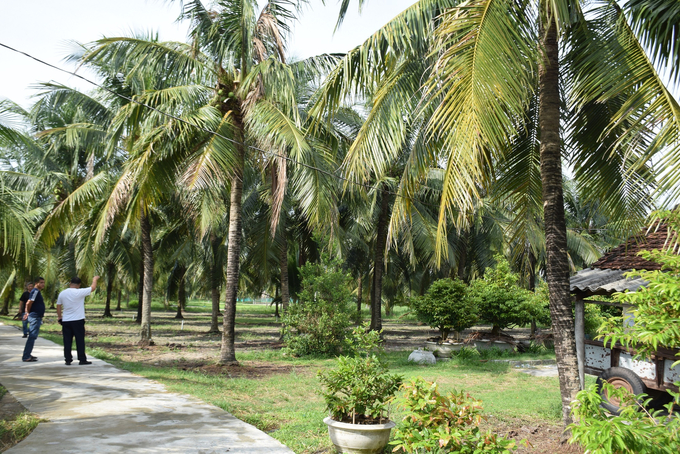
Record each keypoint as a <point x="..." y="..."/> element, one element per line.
<point x="70" y="330"/>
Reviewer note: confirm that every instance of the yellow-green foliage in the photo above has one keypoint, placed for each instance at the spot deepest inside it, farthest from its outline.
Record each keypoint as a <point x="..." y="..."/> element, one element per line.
<point x="12" y="431"/>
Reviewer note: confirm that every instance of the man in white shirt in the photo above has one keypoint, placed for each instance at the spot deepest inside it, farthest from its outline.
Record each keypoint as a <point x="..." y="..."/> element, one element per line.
<point x="72" y="303"/>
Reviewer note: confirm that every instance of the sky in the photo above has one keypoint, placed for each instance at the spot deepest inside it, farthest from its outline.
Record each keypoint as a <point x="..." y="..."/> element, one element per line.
<point x="46" y="29"/>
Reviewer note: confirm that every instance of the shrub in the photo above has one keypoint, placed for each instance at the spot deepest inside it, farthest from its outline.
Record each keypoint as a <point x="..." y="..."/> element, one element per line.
<point x="593" y="319"/>
<point x="436" y="423"/>
<point x="500" y="300"/>
<point x="446" y="306"/>
<point x="634" y="431"/>
<point x="133" y="304"/>
<point x="317" y="323"/>
<point x="360" y="387"/>
<point x="536" y="306"/>
<point x="656" y="306"/>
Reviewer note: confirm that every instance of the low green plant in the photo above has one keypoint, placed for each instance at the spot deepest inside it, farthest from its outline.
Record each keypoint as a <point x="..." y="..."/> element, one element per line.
<point x="446" y="306"/>
<point x="536" y="307"/>
<point x="593" y="319"/>
<point x="359" y="388"/>
<point x="317" y="323"/>
<point x="437" y="424"/>
<point x="655" y="307"/>
<point x="14" y="430"/>
<point x="634" y="431"/>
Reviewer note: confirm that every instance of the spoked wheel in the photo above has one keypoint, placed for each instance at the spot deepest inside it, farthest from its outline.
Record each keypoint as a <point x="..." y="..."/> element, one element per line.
<point x="618" y="377"/>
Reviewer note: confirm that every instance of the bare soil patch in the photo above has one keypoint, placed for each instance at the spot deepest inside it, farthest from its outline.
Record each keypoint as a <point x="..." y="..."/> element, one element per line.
<point x="247" y="369"/>
<point x="10" y="408"/>
<point x="540" y="438"/>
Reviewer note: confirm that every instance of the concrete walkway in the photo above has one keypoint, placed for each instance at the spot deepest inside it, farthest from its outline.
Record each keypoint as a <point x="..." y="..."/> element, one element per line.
<point x="101" y="409"/>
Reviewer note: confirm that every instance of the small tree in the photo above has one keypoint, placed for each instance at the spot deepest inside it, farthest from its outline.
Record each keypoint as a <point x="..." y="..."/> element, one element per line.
<point x="446" y="306"/>
<point x="317" y="323"/>
<point x="499" y="299"/>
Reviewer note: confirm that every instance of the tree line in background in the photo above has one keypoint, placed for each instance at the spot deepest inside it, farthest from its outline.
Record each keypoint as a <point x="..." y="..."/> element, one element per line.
<point x="222" y="166"/>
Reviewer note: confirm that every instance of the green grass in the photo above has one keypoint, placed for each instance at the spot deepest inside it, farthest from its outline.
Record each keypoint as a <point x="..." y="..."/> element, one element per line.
<point x="287" y="404"/>
<point x="281" y="393"/>
<point x="12" y="431"/>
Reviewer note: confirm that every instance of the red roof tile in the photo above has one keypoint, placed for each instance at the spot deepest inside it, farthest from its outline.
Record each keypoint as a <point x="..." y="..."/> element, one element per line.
<point x="624" y="256"/>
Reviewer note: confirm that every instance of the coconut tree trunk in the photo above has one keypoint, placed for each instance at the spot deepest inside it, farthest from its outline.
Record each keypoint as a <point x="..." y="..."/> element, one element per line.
<point x="8" y="297"/>
<point x="120" y="295"/>
<point x="360" y="291"/>
<point x="379" y="262"/>
<point x="227" y="351"/>
<point x="557" y="266"/>
<point x="215" y="278"/>
<point x="147" y="254"/>
<point x="532" y="284"/>
<point x="283" y="265"/>
<point x="181" y="292"/>
<point x="140" y="287"/>
<point x="110" y="271"/>
<point x="462" y="256"/>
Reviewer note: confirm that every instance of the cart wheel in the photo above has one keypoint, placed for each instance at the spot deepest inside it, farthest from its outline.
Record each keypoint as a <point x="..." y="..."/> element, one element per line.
<point x="619" y="377"/>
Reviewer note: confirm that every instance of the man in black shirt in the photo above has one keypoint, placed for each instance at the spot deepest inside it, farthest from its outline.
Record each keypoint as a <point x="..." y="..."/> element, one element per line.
<point x="35" y="310"/>
<point x="22" y="306"/>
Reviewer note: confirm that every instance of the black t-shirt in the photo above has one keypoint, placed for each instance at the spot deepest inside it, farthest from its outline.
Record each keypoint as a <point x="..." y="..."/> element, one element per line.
<point x="38" y="305"/>
<point x="23" y="299"/>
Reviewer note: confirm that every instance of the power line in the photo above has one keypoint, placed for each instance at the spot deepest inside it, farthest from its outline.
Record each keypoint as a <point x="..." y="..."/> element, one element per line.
<point x="271" y="153"/>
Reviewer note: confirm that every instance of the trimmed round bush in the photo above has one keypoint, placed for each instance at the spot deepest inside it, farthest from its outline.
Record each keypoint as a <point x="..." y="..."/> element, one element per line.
<point x="446" y="306"/>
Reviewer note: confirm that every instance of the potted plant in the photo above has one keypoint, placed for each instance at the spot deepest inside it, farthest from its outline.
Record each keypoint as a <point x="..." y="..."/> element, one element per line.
<point x="357" y="392"/>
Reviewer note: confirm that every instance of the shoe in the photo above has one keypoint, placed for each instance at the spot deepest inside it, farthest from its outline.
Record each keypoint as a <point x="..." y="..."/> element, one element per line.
<point x="25" y="336"/>
<point x="84" y="363"/>
<point x="68" y="363"/>
<point x="32" y="359"/>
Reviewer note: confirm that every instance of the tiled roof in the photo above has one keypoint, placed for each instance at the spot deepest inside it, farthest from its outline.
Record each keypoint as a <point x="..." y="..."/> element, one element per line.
<point x="624" y="257"/>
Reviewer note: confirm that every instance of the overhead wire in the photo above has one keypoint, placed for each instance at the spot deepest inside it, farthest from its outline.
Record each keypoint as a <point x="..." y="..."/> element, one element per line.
<point x="215" y="133"/>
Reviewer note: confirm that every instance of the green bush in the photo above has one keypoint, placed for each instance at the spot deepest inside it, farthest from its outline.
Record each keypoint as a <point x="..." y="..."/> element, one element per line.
<point x="501" y="302"/>
<point x="156" y="306"/>
<point x="446" y="306"/>
<point x="634" y="431"/>
<point x="318" y="322"/>
<point x="536" y="306"/>
<point x="593" y="319"/>
<point x="441" y="424"/>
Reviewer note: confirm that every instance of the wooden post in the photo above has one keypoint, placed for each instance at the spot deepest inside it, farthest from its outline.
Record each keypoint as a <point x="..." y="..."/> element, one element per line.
<point x="580" y="334"/>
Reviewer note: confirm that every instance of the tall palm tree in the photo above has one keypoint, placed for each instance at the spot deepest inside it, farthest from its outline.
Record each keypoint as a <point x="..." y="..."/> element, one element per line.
<point x="487" y="102"/>
<point x="237" y="60"/>
<point x="495" y="59"/>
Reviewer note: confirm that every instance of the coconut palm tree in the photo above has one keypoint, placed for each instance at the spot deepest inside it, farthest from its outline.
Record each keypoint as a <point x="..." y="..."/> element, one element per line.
<point x="237" y="57"/>
<point x="488" y="100"/>
<point x="495" y="63"/>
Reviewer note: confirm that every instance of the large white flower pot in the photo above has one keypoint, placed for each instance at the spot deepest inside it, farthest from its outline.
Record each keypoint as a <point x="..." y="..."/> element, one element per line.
<point x="359" y="438"/>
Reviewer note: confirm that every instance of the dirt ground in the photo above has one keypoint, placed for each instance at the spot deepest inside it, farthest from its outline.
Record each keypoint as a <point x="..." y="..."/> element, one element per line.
<point x="188" y="345"/>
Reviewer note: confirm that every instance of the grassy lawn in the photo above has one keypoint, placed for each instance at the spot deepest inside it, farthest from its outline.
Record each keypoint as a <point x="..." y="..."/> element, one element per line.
<point x="279" y="394"/>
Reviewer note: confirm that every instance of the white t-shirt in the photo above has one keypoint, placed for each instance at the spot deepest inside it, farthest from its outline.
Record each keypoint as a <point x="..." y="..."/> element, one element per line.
<point x="73" y="302"/>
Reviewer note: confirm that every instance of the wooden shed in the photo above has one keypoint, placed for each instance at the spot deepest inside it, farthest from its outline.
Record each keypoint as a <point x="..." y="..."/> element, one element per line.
<point x="617" y="364"/>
